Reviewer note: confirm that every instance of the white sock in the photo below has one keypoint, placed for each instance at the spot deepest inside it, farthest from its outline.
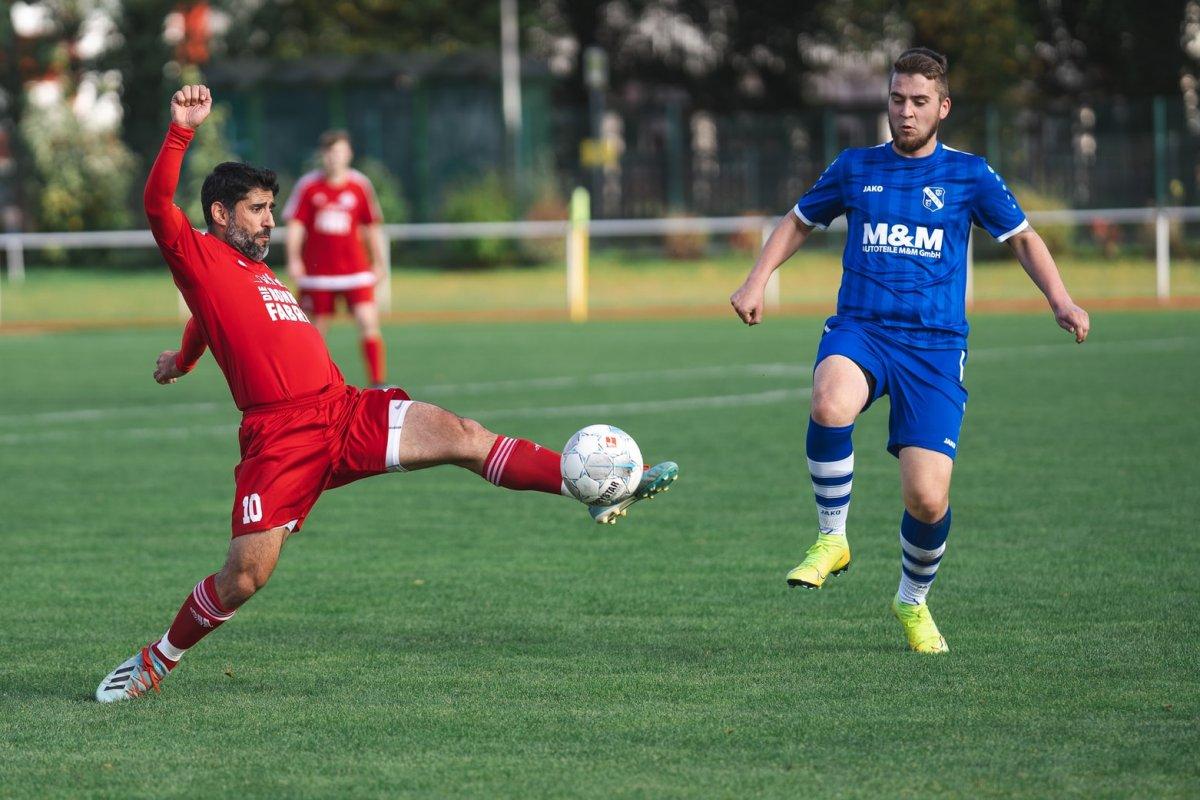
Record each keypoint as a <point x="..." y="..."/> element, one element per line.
<point x="831" y="483"/>
<point x="169" y="650"/>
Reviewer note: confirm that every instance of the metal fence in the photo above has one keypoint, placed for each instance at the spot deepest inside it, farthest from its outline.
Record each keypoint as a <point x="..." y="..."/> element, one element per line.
<point x="678" y="158"/>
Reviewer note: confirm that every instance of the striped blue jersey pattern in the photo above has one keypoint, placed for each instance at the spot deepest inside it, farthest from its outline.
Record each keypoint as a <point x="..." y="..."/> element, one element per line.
<point x="904" y="269"/>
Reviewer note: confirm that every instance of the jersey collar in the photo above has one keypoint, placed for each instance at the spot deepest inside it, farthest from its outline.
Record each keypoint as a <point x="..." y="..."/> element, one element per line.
<point x="936" y="154"/>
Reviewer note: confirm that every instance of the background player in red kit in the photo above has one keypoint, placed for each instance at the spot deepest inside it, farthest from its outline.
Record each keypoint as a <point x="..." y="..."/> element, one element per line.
<point x="331" y="213"/>
<point x="303" y="428"/>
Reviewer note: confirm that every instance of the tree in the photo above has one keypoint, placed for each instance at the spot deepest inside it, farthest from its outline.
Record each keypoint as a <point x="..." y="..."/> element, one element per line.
<point x="140" y="59"/>
<point x="299" y="28"/>
<point x="989" y="44"/>
<point x="78" y="171"/>
<point x="1105" y="47"/>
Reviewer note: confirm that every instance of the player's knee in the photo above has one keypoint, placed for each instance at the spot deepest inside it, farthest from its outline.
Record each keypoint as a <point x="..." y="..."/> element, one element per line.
<point x="927" y="506"/>
<point x="833" y="410"/>
<point x="472" y="431"/>
<point x="237" y="583"/>
<point x="474" y="442"/>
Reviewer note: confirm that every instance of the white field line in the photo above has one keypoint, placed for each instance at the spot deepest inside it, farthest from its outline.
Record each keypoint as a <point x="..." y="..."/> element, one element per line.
<point x="451" y="389"/>
<point x="1088" y="348"/>
<point x="598" y="379"/>
<point x="89" y="414"/>
<point x="621" y="378"/>
<point x="649" y="406"/>
<point x="594" y="409"/>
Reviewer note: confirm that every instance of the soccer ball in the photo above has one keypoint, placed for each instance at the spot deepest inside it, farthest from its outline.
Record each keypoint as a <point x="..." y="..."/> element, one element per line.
<point x="601" y="464"/>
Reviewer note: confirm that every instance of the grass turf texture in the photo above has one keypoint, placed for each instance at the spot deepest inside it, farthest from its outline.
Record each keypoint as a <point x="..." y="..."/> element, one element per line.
<point x="430" y="635"/>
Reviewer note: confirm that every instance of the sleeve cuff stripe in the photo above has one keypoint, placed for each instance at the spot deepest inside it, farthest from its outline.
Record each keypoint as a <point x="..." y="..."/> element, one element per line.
<point x="806" y="220"/>
<point x="1005" y="236"/>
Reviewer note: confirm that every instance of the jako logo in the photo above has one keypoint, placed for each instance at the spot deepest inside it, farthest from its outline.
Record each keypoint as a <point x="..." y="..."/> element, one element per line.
<point x="884" y="238"/>
<point x="873" y="187"/>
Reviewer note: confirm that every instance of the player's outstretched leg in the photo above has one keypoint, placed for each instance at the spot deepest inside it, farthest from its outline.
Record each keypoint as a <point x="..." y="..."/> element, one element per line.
<point x="433" y="436"/>
<point x="251" y="560"/>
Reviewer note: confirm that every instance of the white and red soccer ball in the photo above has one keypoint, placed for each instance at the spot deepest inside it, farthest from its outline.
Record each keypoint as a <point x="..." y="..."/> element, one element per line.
<point x="601" y="465"/>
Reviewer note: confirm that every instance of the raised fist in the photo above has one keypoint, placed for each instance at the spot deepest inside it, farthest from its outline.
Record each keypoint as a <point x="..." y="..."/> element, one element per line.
<point x="190" y="106"/>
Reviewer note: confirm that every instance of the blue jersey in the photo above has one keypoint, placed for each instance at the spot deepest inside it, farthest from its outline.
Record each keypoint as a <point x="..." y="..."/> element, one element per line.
<point x="905" y="265"/>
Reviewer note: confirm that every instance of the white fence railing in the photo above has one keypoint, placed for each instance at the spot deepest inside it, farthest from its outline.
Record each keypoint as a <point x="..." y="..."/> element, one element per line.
<point x="14" y="245"/>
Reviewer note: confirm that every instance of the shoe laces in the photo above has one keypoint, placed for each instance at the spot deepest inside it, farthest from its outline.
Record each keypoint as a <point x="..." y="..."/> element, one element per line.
<point x="822" y="548"/>
<point x="148" y="675"/>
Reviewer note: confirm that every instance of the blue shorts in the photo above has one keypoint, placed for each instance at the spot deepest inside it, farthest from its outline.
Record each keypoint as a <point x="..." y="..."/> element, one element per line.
<point x="925" y="385"/>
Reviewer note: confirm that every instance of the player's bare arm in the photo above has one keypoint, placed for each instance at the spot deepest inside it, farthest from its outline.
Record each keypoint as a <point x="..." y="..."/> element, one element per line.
<point x="782" y="244"/>
<point x="1037" y="262"/>
<point x="296" y="233"/>
<point x="190" y="106"/>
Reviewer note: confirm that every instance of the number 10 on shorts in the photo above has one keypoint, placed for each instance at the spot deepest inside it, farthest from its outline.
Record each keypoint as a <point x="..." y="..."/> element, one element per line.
<point x="251" y="508"/>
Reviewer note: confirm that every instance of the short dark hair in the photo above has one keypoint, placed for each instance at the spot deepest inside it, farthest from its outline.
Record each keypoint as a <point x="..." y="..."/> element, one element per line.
<point x="923" y="61"/>
<point x="230" y="182"/>
<point x="330" y="138"/>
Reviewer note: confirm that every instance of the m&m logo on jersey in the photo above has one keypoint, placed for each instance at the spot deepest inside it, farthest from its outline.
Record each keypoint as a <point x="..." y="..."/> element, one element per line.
<point x="902" y="240"/>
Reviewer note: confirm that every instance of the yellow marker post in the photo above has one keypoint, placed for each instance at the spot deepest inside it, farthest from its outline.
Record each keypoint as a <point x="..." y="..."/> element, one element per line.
<point x="577" y="255"/>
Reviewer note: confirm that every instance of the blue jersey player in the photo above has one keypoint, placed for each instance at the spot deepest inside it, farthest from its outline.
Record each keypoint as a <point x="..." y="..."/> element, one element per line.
<point x="900" y="327"/>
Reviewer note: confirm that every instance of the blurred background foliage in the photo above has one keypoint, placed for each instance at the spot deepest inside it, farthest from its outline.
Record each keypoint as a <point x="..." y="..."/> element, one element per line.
<point x="713" y="106"/>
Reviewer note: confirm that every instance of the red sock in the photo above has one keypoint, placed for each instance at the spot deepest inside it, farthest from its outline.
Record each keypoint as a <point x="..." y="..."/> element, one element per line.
<point x="522" y="465"/>
<point x="372" y="350"/>
<point x="200" y="615"/>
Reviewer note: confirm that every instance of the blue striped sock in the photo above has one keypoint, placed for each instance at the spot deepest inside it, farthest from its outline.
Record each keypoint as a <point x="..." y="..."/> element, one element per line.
<point x="921" y="548"/>
<point x="831" y="465"/>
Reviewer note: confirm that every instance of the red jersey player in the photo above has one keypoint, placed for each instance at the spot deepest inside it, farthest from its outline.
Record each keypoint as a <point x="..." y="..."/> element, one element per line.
<point x="303" y="428"/>
<point x="330" y="213"/>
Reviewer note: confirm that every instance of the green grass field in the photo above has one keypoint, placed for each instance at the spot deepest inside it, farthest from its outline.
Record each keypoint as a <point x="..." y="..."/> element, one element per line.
<point x="810" y="277"/>
<point x="429" y="635"/>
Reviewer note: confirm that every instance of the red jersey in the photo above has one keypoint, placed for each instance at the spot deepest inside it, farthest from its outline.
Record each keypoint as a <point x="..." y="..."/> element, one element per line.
<point x="260" y="338"/>
<point x="333" y="253"/>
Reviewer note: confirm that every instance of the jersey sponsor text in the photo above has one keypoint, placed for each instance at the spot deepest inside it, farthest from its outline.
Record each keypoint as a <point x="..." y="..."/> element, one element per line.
<point x="901" y="239"/>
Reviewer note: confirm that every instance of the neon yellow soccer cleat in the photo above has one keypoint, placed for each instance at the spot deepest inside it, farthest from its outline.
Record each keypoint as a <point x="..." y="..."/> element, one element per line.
<point x="923" y="635"/>
<point x="829" y="556"/>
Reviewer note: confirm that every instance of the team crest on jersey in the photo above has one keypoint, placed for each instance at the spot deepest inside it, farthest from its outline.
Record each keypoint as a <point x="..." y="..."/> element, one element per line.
<point x="933" y="197"/>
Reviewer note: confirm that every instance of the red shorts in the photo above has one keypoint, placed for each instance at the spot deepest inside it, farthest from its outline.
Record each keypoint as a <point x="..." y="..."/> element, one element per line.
<point x="293" y="452"/>
<point x="322" y="303"/>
